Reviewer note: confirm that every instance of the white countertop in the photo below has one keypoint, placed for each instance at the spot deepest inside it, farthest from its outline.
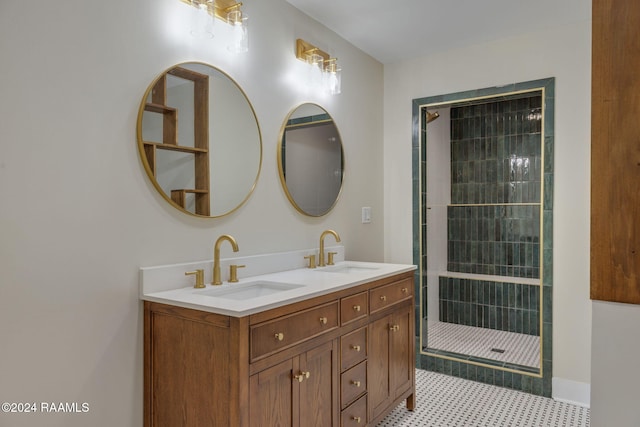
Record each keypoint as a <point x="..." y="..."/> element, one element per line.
<point x="314" y="282"/>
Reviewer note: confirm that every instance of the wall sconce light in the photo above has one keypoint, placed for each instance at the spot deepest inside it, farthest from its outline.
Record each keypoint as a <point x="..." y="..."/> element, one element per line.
<point x="228" y="11"/>
<point x="323" y="70"/>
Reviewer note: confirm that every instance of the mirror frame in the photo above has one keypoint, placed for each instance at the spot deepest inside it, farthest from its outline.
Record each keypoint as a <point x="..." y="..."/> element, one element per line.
<point x="283" y="181"/>
<point x="143" y="157"/>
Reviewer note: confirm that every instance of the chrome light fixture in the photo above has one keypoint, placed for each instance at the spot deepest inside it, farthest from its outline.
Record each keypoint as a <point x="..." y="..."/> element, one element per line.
<point x="323" y="69"/>
<point x="228" y="11"/>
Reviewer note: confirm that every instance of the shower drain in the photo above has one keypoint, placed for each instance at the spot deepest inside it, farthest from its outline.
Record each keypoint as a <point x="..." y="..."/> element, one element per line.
<point x="497" y="350"/>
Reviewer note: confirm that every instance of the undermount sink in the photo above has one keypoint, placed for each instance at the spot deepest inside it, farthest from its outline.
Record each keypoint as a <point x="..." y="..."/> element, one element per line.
<point x="347" y="268"/>
<point x="249" y="290"/>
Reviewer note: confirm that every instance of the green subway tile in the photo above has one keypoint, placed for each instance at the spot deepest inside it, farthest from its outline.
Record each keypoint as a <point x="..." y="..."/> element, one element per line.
<point x="472" y="372"/>
<point x="526" y="326"/>
<point x="507" y="380"/>
<point x="455" y="368"/>
<point x="432" y="363"/>
<point x="536" y="386"/>
<point x="446" y="367"/>
<point x="547" y="341"/>
<point x="499" y="293"/>
<point x="439" y="364"/>
<point x="481" y="374"/>
<point x="498" y="377"/>
<point x="547" y="278"/>
<point x="547" y="295"/>
<point x="516" y="381"/>
<point x="548" y="154"/>
<point x="548" y="191"/>
<point x="546" y="386"/>
<point x="489" y="375"/>
<point x="547" y="368"/>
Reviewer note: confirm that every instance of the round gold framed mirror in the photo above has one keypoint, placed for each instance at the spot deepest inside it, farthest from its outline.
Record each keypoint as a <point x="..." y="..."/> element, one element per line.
<point x="199" y="140"/>
<point x="311" y="160"/>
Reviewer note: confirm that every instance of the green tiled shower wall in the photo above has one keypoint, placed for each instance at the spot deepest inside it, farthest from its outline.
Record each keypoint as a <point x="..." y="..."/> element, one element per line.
<point x="502" y="163"/>
<point x="504" y="306"/>
<point x="496" y="154"/>
<point x="501" y="240"/>
<point x="496" y="161"/>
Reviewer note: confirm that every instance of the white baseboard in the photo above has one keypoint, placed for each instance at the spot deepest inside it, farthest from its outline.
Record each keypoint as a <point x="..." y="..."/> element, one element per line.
<point x="573" y="392"/>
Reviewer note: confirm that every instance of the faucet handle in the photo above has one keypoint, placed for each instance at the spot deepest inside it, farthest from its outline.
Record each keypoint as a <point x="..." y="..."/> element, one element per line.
<point x="330" y="256"/>
<point x="199" y="277"/>
<point x="233" y="272"/>
<point x="312" y="260"/>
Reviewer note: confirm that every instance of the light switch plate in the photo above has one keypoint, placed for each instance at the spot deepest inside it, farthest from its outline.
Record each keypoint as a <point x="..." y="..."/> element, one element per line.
<point x="366" y="215"/>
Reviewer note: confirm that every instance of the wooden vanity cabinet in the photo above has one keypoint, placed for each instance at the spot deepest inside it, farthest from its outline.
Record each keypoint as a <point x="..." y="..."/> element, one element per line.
<point x="341" y="359"/>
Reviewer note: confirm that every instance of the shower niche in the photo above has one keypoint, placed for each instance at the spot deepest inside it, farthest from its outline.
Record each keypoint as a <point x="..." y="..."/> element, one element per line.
<point x="483" y="175"/>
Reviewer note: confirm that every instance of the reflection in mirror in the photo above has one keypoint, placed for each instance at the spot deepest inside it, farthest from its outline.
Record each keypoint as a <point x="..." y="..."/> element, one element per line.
<point x="482" y="251"/>
<point x="199" y="140"/>
<point x="311" y="160"/>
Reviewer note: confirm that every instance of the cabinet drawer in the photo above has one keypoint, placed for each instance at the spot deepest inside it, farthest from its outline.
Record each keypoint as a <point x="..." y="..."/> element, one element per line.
<point x="387" y="295"/>
<point x="283" y="332"/>
<point x="353" y="383"/>
<point x="354" y="307"/>
<point x="356" y="414"/>
<point x="353" y="348"/>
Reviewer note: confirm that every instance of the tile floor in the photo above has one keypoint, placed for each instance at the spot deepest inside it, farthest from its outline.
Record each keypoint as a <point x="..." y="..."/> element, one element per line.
<point x="444" y="401"/>
<point x="519" y="349"/>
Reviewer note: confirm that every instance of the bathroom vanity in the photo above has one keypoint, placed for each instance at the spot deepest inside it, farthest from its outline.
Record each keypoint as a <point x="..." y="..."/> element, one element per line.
<point x="337" y="351"/>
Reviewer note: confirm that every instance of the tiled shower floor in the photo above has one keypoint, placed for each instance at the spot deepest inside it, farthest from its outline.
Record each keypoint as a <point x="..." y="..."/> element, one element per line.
<point x="443" y="400"/>
<point x="518" y="349"/>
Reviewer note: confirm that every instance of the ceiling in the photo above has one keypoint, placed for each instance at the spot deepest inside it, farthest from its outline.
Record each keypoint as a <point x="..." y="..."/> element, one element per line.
<point x="392" y="31"/>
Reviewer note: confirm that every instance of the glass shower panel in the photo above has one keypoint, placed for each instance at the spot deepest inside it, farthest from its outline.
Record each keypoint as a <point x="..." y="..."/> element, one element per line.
<point x="481" y="180"/>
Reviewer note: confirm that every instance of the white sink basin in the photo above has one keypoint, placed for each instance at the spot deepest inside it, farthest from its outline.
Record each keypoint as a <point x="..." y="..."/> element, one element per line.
<point x="249" y="290"/>
<point x="349" y="267"/>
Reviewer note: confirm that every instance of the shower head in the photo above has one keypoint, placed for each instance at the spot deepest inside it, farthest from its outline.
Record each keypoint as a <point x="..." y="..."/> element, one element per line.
<point x="432" y="116"/>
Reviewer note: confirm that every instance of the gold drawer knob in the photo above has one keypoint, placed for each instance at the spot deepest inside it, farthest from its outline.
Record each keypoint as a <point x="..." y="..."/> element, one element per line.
<point x="302" y="376"/>
<point x="404" y="290"/>
<point x="356" y="383"/>
<point x="355" y="347"/>
<point x="279" y="336"/>
<point x="356" y="419"/>
<point x="394" y="328"/>
<point x="323" y="320"/>
<point x="383" y="298"/>
<point x="356" y="308"/>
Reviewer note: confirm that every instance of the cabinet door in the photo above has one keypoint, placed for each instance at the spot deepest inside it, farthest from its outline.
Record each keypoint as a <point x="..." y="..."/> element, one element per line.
<point x="273" y="396"/>
<point x="401" y="350"/>
<point x="378" y="382"/>
<point x="391" y="359"/>
<point x="301" y="391"/>
<point x="319" y="391"/>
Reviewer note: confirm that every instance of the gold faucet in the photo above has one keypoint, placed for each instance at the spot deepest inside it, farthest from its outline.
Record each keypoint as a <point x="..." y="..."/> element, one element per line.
<point x="216" y="256"/>
<point x="321" y="262"/>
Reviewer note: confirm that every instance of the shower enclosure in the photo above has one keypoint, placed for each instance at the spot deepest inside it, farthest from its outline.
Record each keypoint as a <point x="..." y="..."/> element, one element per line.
<point x="482" y="219"/>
